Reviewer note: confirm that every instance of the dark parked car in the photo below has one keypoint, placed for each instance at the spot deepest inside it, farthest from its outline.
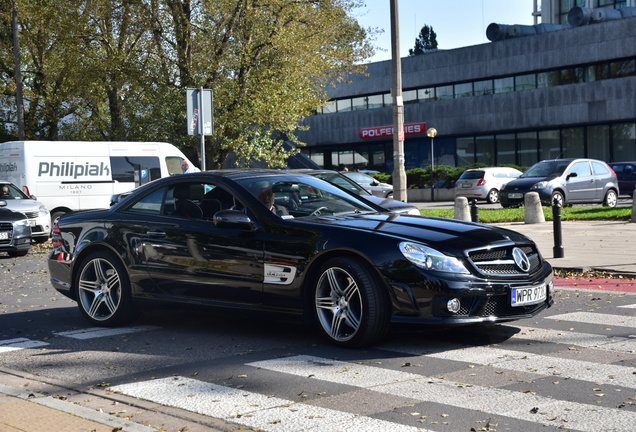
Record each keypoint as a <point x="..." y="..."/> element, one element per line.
<point x="564" y="181"/>
<point x="291" y="243"/>
<point x="388" y="204"/>
<point x="626" y="173"/>
<point x="15" y="232"/>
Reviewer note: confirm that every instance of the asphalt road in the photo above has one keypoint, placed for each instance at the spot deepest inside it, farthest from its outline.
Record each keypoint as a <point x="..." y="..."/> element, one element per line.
<point x="573" y="367"/>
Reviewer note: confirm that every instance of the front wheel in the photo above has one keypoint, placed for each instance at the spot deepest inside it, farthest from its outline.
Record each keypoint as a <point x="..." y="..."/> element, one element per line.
<point x="610" y="199"/>
<point x="557" y="199"/>
<point x="350" y="307"/>
<point x="103" y="290"/>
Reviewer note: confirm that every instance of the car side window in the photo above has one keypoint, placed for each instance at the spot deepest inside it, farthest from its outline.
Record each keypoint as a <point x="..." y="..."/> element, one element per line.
<point x="582" y="169"/>
<point x="150" y="204"/>
<point x="600" y="169"/>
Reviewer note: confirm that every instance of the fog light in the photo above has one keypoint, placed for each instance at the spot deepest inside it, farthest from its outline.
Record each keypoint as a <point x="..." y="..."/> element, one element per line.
<point x="453" y="305"/>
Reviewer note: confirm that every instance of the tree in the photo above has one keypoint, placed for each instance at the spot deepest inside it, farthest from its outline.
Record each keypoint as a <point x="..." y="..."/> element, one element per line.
<point x="425" y="42"/>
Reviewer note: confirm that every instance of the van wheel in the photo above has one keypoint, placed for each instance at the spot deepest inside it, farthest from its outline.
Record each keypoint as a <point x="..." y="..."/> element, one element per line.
<point x="55" y="216"/>
<point x="610" y="199"/>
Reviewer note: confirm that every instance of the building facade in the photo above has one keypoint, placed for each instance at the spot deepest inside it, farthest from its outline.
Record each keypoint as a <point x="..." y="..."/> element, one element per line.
<point x="533" y="93"/>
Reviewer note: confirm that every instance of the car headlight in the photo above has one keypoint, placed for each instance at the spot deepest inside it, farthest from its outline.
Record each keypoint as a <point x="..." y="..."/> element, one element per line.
<point x="540" y="185"/>
<point x="21" y="223"/>
<point x="43" y="211"/>
<point x="430" y="259"/>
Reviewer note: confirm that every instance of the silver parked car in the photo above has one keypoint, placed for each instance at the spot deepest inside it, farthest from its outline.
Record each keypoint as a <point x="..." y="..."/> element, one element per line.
<point x="39" y="217"/>
<point x="15" y="234"/>
<point x="564" y="182"/>
<point x="382" y="190"/>
<point x="484" y="183"/>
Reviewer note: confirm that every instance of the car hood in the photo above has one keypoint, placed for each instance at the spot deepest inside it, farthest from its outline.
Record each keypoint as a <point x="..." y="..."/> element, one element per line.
<point x="23" y="205"/>
<point x="449" y="234"/>
<point x="7" y="215"/>
<point x="525" y="183"/>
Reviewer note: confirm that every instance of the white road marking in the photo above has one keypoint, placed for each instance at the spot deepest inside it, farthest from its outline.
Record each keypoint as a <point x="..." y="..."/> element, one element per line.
<point x="596" y="318"/>
<point x="496" y="401"/>
<point x="267" y="413"/>
<point x="631" y="306"/>
<point x="586" y="340"/>
<point x="98" y="332"/>
<point x="19" y="343"/>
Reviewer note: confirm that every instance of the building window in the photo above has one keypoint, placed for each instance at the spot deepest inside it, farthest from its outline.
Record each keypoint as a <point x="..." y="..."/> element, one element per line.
<point x="409" y="96"/>
<point x="620" y="69"/>
<point x="330" y="107"/>
<point x="426" y="94"/>
<point x="527" y="152"/>
<point x="444" y="92"/>
<point x="549" y="144"/>
<point x="463" y="90"/>
<point x="376" y="101"/>
<point x="572" y="75"/>
<point x="506" y="149"/>
<point x="484" y="87"/>
<point x="525" y="82"/>
<point x="344" y="105"/>
<point x="598" y="143"/>
<point x="573" y="140"/>
<point x="485" y="149"/>
<point x="597" y="72"/>
<point x="465" y="151"/>
<point x="548" y="79"/>
<point x="564" y="8"/>
<point x="623" y="139"/>
<point x="504" y="85"/>
<point x="359" y="103"/>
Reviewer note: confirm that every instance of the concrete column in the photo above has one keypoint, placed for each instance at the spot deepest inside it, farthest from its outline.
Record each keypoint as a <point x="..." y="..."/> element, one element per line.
<point x="533" y="211"/>
<point x="462" y="211"/>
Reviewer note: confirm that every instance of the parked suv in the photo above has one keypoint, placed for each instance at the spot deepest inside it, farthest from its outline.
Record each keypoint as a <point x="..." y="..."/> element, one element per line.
<point x="626" y="173"/>
<point x="564" y="182"/>
<point x="484" y="183"/>
<point x="39" y="217"/>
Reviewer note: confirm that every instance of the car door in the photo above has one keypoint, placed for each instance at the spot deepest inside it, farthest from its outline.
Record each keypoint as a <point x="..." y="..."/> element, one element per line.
<point x="580" y="183"/>
<point x="190" y="258"/>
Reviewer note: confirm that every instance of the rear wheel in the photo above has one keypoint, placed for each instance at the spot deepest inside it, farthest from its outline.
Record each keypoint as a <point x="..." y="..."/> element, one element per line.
<point x="611" y="198"/>
<point x="103" y="290"/>
<point x="349" y="305"/>
<point x="493" y="196"/>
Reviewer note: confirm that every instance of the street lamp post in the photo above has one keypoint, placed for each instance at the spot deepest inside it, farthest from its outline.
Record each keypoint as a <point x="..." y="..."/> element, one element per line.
<point x="432" y="133"/>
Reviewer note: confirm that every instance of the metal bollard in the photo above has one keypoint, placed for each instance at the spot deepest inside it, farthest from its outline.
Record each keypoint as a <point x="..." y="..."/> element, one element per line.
<point x="558" y="237"/>
<point x="474" y="211"/>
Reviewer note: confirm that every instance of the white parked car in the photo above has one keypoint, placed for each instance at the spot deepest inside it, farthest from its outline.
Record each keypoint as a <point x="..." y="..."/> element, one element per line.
<point x="37" y="214"/>
<point x="484" y="183"/>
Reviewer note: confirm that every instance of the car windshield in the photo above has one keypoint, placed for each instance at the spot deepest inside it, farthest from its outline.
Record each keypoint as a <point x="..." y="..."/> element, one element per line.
<point x="304" y="196"/>
<point x="344" y="182"/>
<point x="546" y="169"/>
<point x="9" y="191"/>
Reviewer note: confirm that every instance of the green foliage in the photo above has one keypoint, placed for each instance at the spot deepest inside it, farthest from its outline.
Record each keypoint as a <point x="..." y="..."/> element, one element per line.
<point x="425" y="42"/>
<point x="119" y="70"/>
<point x="490" y="216"/>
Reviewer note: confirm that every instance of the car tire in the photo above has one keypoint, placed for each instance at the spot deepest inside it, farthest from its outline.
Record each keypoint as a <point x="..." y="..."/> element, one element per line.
<point x="611" y="198"/>
<point x="558" y="198"/>
<point x="493" y="196"/>
<point x="102" y="290"/>
<point x="349" y="305"/>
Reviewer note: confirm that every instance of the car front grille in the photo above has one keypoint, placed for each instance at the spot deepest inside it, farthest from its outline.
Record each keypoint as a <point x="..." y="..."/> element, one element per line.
<point x="31" y="214"/>
<point x="499" y="261"/>
<point x="6" y="227"/>
<point x="495" y="306"/>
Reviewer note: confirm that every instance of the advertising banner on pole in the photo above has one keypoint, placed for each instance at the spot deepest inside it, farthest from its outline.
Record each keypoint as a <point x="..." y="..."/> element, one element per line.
<point x="200" y="112"/>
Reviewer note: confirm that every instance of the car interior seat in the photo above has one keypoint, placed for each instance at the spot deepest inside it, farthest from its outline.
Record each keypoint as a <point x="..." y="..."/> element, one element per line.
<point x="184" y="206"/>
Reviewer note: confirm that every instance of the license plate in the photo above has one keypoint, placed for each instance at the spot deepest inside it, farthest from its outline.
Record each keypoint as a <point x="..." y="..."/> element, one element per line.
<point x="4" y="235"/>
<point x="466" y="185"/>
<point x="515" y="195"/>
<point x="31" y="222"/>
<point x="528" y="295"/>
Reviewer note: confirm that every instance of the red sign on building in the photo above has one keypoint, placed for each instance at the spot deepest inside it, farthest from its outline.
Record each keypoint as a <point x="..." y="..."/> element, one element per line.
<point x="387" y="131"/>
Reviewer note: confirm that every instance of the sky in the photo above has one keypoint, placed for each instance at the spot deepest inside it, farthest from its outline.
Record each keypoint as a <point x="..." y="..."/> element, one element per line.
<point x="457" y="23"/>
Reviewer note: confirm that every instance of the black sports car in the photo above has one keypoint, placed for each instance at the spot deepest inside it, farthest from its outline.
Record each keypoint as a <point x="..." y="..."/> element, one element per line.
<point x="291" y="243"/>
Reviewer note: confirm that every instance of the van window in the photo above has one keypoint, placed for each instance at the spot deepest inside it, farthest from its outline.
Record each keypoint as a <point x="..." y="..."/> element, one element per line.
<point x="174" y="165"/>
<point x="123" y="167"/>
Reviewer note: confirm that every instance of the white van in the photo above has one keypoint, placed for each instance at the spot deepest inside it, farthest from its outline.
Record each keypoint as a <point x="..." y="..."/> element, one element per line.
<point x="79" y="175"/>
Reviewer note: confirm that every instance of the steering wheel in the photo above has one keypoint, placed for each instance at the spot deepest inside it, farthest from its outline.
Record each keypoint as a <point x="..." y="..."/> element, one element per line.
<point x="318" y="211"/>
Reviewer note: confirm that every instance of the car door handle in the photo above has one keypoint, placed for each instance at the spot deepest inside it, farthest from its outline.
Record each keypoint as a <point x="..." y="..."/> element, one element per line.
<point x="158" y="234"/>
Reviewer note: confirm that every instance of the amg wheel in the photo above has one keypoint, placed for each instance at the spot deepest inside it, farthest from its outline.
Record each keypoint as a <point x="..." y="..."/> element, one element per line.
<point x="350" y="307"/>
<point x="103" y="290"/>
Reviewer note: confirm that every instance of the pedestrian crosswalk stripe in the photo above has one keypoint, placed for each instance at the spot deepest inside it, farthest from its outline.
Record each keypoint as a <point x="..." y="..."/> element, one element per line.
<point x="596" y="318"/>
<point x="585" y="340"/>
<point x="498" y="401"/>
<point x="631" y="306"/>
<point x="19" y="343"/>
<point x="98" y="332"/>
<point x="267" y="413"/>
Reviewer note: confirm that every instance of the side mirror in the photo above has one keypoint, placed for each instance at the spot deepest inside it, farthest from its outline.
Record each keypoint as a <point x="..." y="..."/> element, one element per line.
<point x="3" y="203"/>
<point x="233" y="219"/>
<point x="569" y="176"/>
